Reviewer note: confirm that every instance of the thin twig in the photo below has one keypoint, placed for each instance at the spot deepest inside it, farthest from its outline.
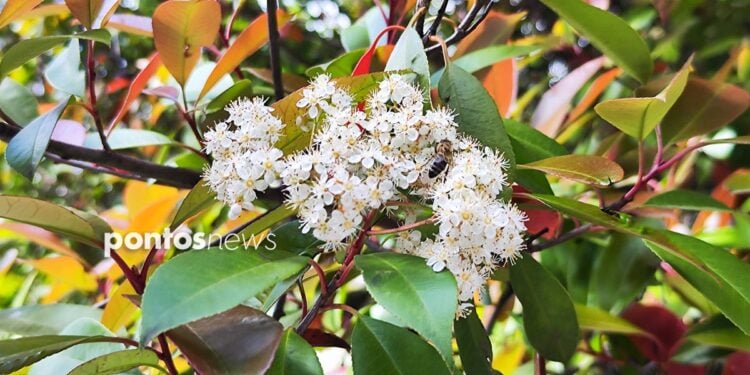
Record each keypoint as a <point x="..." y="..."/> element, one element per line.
<point x="504" y="298"/>
<point x="90" y="81"/>
<point x="273" y="42"/>
<point x="532" y="248"/>
<point x="167" y="355"/>
<point x="402" y="228"/>
<point x="436" y="22"/>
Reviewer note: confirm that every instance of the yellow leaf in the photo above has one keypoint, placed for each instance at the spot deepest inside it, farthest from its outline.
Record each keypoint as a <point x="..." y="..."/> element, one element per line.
<point x="14" y="9"/>
<point x="139" y="195"/>
<point x="181" y="29"/>
<point x="509" y="358"/>
<point x="119" y="311"/>
<point x="249" y="41"/>
<point x="66" y="274"/>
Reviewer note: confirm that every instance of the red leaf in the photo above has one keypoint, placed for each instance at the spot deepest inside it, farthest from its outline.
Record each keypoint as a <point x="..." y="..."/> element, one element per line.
<point x="737" y="364"/>
<point x="139" y="83"/>
<point x="364" y="63"/>
<point x="661" y="323"/>
<point x="318" y="337"/>
<point x="540" y="216"/>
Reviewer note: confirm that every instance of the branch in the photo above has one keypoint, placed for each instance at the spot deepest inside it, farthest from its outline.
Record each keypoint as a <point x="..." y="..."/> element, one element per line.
<point x="531" y="248"/>
<point x="115" y="163"/>
<point x="273" y="41"/>
<point x="476" y="15"/>
<point x="90" y="77"/>
<point x="436" y="22"/>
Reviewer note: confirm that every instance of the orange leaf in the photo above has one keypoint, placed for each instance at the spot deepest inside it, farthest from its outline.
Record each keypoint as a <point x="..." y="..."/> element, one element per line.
<point x="42" y="238"/>
<point x="501" y="81"/>
<point x="495" y="29"/>
<point x="181" y="29"/>
<point x="597" y="87"/>
<point x="136" y="87"/>
<point x="66" y="274"/>
<point x="92" y="13"/>
<point x="14" y="9"/>
<point x="249" y="41"/>
<point x="138" y="196"/>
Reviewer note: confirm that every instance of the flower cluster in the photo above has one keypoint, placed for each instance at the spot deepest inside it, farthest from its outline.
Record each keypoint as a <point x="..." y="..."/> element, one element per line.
<point x="362" y="157"/>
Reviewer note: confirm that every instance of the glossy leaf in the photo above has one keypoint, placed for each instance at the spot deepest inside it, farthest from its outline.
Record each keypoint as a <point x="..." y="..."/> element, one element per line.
<point x="686" y="200"/>
<point x="267" y="220"/>
<point x="637" y="117"/>
<point x="27" y="49"/>
<point x="530" y="145"/>
<point x="242" y="340"/>
<point x="40" y="320"/>
<point x="474" y="345"/>
<point x="17" y="102"/>
<point x="426" y="300"/>
<point x="16" y="354"/>
<point x="587" y="169"/>
<point x="600" y="84"/>
<point x="339" y="67"/>
<point x="294" y="356"/>
<point x="136" y="87"/>
<point x="728" y="286"/>
<point x="549" y="318"/>
<point x="591" y="318"/>
<point x="496" y="29"/>
<point x="64" y="72"/>
<point x="486" y="57"/>
<point x="198" y="199"/>
<point x="200" y="283"/>
<point x="408" y="54"/>
<point x="14" y="9"/>
<point x="249" y="41"/>
<point x="181" y="29"/>
<point x="703" y="107"/>
<point x="476" y="112"/>
<point x="608" y="33"/>
<point x="501" y="82"/>
<point x="28" y="146"/>
<point x="118" y="362"/>
<point x="121" y="139"/>
<point x="718" y="331"/>
<point x="382" y="348"/>
<point x="93" y="14"/>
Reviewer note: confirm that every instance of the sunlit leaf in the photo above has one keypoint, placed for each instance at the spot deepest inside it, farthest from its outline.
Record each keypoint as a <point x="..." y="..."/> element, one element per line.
<point x="496" y="28"/>
<point x="136" y="87"/>
<point x="93" y="14"/>
<point x="501" y="82"/>
<point x="591" y="318"/>
<point x="199" y="198"/>
<point x="14" y="9"/>
<point x="249" y="41"/>
<point x="600" y="84"/>
<point x="610" y="34"/>
<point x="181" y="29"/>
<point x="64" y="72"/>
<point x="242" y="340"/>
<point x="382" y="348"/>
<point x="408" y="54"/>
<point x="39" y="320"/>
<point x="426" y="300"/>
<point x="549" y="318"/>
<point x="200" y="283"/>
<point x="587" y="169"/>
<point x="120" y="311"/>
<point x="19" y="353"/>
<point x="118" y="362"/>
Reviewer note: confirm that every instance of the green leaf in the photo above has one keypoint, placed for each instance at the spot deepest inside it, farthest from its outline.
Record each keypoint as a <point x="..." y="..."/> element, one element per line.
<point x="197" y="200"/>
<point x="686" y="200"/>
<point x="121" y="139"/>
<point x="549" y="318"/>
<point x="18" y="353"/>
<point x="118" y="362"/>
<point x="338" y="67"/>
<point x="620" y="272"/>
<point x="62" y="220"/>
<point x="637" y="117"/>
<point x="703" y="107"/>
<point x="591" y="318"/>
<point x="426" y="300"/>
<point x="242" y="340"/>
<point x="476" y="112"/>
<point x="408" y="54"/>
<point x="383" y="348"/>
<point x="474" y="345"/>
<point x="18" y="102"/>
<point x="64" y="72"/>
<point x="27" y="148"/>
<point x="294" y="138"/>
<point x="27" y="49"/>
<point x="738" y="183"/>
<point x="727" y="284"/>
<point x="240" y="89"/>
<point x="718" y="331"/>
<point x="201" y="283"/>
<point x="607" y="32"/>
<point x="294" y="356"/>
<point x="587" y="169"/>
<point x="477" y="60"/>
<point x="267" y="220"/>
<point x="289" y="237"/>
<point x="39" y="320"/>
<point x="530" y="145"/>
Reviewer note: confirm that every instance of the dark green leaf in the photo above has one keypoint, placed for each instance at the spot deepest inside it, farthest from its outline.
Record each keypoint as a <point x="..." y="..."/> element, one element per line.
<point x="476" y="112"/>
<point x="198" y="199"/>
<point x="477" y="60"/>
<point x="118" y="362"/>
<point x="289" y="237"/>
<point x="426" y="300"/>
<point x="382" y="348"/>
<point x="610" y="34"/>
<point x="39" y="320"/>
<point x="294" y="356"/>
<point x="267" y="220"/>
<point x="718" y="331"/>
<point x="530" y="145"/>
<point x="27" y="148"/>
<point x="18" y="353"/>
<point x="549" y="318"/>
<point x="686" y="200"/>
<point x="17" y="102"/>
<point x="474" y="345"/>
<point x="242" y="340"/>
<point x="205" y="282"/>
<point x="67" y="221"/>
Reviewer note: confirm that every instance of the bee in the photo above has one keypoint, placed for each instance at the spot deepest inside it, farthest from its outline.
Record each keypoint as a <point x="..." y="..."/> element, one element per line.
<point x="443" y="157"/>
